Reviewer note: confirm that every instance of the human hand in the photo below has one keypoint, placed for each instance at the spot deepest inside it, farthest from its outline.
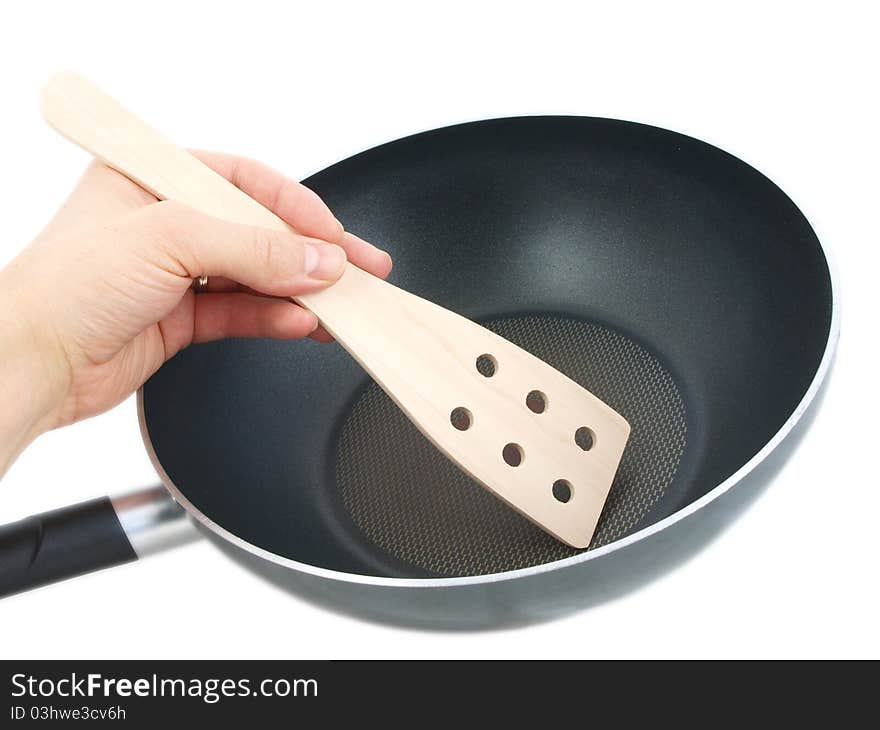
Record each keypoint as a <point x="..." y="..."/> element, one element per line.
<point x="103" y="297"/>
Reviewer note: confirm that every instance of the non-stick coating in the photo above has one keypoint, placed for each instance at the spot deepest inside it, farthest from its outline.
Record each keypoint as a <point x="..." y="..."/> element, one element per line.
<point x="669" y="242"/>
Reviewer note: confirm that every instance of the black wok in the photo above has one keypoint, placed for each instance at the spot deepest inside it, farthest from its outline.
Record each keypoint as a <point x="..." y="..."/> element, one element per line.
<point x="668" y="277"/>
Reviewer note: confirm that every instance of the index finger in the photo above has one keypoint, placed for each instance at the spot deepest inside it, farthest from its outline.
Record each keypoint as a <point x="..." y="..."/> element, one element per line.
<point x="296" y="205"/>
<point x="289" y="200"/>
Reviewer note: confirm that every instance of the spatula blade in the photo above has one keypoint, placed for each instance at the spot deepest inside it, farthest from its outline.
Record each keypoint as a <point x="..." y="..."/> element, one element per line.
<point x="532" y="436"/>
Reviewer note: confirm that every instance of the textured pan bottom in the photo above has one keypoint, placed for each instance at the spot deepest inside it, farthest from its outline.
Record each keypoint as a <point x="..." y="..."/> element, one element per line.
<point x="414" y="504"/>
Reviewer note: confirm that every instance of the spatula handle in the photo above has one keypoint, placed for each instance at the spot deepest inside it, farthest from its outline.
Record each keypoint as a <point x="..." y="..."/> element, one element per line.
<point x="88" y="117"/>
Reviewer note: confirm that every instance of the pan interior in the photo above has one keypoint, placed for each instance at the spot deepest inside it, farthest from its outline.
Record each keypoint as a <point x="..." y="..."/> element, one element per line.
<point x="414" y="504"/>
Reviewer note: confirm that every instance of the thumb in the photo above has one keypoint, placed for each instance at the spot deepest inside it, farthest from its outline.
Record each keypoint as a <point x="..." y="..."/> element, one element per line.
<point x="278" y="263"/>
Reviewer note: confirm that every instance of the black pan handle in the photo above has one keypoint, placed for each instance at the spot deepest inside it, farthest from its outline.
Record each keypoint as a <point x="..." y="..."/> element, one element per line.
<point x="61" y="544"/>
<point x="89" y="536"/>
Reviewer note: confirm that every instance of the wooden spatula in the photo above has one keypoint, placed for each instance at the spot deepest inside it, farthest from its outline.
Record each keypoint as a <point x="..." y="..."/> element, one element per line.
<point x="522" y="429"/>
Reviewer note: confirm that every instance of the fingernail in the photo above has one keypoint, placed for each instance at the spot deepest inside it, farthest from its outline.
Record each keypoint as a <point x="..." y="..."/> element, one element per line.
<point x="387" y="256"/>
<point x="324" y="261"/>
<point x="361" y="241"/>
<point x="341" y="228"/>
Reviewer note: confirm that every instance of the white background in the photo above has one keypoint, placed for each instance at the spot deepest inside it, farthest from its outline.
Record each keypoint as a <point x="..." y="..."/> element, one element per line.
<point x="789" y="88"/>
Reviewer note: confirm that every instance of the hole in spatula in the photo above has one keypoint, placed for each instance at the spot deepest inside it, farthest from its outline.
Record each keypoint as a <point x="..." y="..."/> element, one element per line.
<point x="513" y="454"/>
<point x="536" y="401"/>
<point x="562" y="490"/>
<point x="487" y="365"/>
<point x="585" y="438"/>
<point x="461" y="418"/>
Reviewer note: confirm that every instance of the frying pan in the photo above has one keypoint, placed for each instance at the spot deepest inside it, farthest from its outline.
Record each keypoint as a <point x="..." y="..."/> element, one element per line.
<point x="671" y="279"/>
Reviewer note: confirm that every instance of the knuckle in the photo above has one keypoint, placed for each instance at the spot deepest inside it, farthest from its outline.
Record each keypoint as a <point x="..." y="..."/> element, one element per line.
<point x="265" y="249"/>
<point x="275" y="253"/>
<point x="288" y="194"/>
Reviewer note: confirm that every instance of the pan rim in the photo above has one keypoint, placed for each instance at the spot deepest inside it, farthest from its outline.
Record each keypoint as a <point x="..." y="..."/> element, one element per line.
<point x="582" y="558"/>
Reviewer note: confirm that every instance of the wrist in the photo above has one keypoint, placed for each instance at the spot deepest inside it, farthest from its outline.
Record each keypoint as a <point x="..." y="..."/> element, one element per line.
<point x="32" y="381"/>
